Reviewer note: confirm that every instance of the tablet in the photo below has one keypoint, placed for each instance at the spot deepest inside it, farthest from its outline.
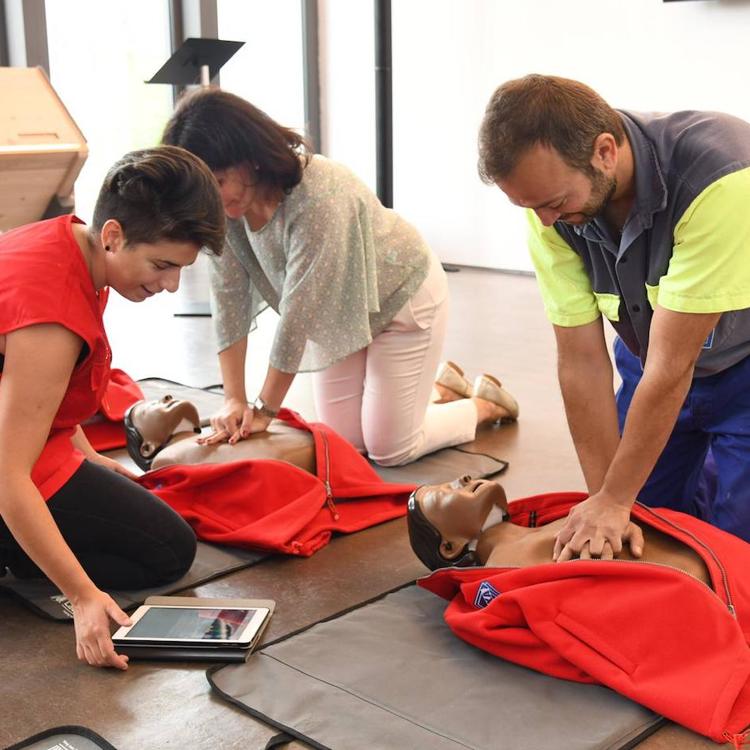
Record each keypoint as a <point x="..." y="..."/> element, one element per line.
<point x="208" y="627"/>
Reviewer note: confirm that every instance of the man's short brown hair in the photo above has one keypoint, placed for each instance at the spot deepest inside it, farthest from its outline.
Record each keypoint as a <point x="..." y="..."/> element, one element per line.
<point x="543" y="110"/>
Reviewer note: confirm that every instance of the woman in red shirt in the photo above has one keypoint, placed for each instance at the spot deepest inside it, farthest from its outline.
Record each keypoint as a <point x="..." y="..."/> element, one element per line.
<point x="66" y="512"/>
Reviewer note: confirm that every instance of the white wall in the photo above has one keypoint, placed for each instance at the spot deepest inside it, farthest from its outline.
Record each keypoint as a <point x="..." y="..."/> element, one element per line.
<point x="267" y="70"/>
<point x="347" y="84"/>
<point x="449" y="55"/>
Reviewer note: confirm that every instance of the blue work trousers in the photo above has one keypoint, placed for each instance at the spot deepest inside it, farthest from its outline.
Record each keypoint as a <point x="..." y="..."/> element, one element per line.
<point x="704" y="469"/>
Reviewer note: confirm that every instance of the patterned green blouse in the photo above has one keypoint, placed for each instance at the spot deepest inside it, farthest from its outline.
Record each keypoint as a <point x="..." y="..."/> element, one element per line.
<point x="332" y="262"/>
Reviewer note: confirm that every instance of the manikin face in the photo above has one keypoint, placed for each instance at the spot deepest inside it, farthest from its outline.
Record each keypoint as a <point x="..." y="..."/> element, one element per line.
<point x="238" y="190"/>
<point x="458" y="509"/>
<point x="140" y="271"/>
<point x="157" y="420"/>
<point x="555" y="191"/>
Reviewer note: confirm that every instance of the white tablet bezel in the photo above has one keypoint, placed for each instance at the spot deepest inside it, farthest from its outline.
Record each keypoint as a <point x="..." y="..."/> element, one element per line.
<point x="245" y="637"/>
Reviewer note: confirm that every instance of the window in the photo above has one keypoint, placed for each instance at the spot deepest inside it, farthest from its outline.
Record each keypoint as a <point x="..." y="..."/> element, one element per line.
<point x="100" y="54"/>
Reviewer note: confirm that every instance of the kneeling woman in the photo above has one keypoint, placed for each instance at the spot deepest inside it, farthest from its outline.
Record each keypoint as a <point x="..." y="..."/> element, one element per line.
<point x="362" y="300"/>
<point x="66" y="512"/>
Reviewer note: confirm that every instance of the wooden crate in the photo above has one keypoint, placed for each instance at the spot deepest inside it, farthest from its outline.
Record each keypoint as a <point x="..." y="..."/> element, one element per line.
<point x="41" y="148"/>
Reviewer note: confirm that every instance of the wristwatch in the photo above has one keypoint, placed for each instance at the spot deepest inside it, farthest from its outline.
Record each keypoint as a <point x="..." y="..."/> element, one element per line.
<point x="262" y="408"/>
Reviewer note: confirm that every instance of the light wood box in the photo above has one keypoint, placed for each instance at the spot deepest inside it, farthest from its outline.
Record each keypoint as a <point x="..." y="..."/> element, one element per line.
<point x="41" y="148"/>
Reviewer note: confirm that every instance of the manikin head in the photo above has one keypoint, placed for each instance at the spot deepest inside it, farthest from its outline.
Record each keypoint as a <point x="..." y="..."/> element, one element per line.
<point x="443" y="519"/>
<point x="149" y="425"/>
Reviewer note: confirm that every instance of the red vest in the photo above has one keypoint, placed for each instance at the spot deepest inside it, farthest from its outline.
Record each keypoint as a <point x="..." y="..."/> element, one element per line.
<point x="44" y="279"/>
<point x="650" y="632"/>
<point x="272" y="505"/>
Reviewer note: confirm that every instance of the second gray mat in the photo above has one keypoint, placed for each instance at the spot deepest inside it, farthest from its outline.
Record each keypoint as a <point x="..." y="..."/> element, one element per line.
<point x="210" y="562"/>
<point x="391" y="675"/>
<point x="441" y="466"/>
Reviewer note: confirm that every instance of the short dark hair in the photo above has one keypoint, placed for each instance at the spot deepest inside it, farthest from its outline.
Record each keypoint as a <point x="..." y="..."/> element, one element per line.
<point x="163" y="193"/>
<point x="558" y="112"/>
<point x="226" y="131"/>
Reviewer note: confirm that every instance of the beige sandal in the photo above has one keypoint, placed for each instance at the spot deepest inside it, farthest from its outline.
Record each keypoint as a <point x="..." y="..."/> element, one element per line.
<point x="491" y="389"/>
<point x="452" y="377"/>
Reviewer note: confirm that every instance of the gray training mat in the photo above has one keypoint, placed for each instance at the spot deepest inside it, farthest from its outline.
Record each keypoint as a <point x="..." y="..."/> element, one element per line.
<point x="390" y="674"/>
<point x="211" y="561"/>
<point x="442" y="466"/>
<point x="64" y="738"/>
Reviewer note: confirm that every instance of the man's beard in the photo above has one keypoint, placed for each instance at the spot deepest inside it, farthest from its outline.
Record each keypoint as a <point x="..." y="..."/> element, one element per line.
<point x="602" y="190"/>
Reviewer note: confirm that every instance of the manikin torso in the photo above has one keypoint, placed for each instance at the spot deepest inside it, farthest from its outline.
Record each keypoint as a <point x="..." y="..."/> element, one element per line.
<point x="279" y="442"/>
<point x="509" y="545"/>
<point x="167" y="428"/>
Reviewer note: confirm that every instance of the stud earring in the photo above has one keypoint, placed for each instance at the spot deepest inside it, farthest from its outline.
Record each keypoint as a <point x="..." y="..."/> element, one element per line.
<point x="106" y="247"/>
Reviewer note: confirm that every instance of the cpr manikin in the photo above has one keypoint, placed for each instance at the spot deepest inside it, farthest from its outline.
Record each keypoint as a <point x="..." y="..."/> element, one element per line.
<point x="162" y="432"/>
<point x="447" y="528"/>
<point x="152" y="425"/>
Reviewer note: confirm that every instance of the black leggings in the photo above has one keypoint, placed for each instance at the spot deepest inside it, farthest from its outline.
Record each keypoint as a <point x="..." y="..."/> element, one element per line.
<point x="123" y="535"/>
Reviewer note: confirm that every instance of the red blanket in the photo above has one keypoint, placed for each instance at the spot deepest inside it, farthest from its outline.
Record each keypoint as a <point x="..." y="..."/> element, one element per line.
<point x="272" y="505"/>
<point x="650" y="632"/>
<point x="106" y="431"/>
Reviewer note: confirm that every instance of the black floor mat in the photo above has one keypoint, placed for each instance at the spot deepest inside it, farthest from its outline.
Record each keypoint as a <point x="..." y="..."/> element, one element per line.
<point x="211" y="561"/>
<point x="64" y="738"/>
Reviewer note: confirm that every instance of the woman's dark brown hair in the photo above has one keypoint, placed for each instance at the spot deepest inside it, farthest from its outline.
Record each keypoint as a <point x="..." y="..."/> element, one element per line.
<point x="227" y="131"/>
<point x="163" y="193"/>
<point x="558" y="112"/>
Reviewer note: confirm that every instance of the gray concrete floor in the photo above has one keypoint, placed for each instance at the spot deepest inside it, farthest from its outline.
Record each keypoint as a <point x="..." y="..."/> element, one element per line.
<point x="497" y="326"/>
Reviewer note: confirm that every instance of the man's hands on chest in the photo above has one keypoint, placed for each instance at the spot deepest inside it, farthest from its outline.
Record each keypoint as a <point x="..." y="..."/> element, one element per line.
<point x="597" y="528"/>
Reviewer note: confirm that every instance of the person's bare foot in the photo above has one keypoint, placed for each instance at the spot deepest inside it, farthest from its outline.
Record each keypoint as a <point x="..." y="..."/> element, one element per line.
<point x="488" y="412"/>
<point x="446" y="395"/>
<point x="489" y="388"/>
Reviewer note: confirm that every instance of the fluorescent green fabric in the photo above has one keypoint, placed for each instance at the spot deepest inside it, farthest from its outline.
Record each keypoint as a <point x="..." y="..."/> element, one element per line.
<point x="609" y="306"/>
<point x="652" y="292"/>
<point x="566" y="290"/>
<point x="710" y="266"/>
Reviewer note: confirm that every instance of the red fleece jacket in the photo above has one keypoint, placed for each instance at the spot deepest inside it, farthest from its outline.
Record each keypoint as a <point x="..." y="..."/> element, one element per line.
<point x="273" y="505"/>
<point x="106" y="430"/>
<point x="651" y="632"/>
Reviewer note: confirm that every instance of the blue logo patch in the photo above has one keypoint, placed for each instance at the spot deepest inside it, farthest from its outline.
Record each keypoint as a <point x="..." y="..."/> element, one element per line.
<point x="485" y="594"/>
<point x="709" y="342"/>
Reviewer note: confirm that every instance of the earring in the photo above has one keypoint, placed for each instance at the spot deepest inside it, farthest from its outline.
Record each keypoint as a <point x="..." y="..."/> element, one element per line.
<point x="106" y="247"/>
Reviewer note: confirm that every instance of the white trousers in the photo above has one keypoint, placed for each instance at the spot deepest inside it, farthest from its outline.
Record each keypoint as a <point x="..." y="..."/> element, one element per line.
<point x="379" y="398"/>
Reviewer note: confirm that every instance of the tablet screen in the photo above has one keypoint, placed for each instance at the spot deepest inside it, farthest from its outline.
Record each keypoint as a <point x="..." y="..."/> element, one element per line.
<point x="192" y="624"/>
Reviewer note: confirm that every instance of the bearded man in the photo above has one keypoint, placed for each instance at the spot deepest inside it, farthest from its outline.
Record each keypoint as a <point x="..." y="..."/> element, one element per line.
<point x="641" y="218"/>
